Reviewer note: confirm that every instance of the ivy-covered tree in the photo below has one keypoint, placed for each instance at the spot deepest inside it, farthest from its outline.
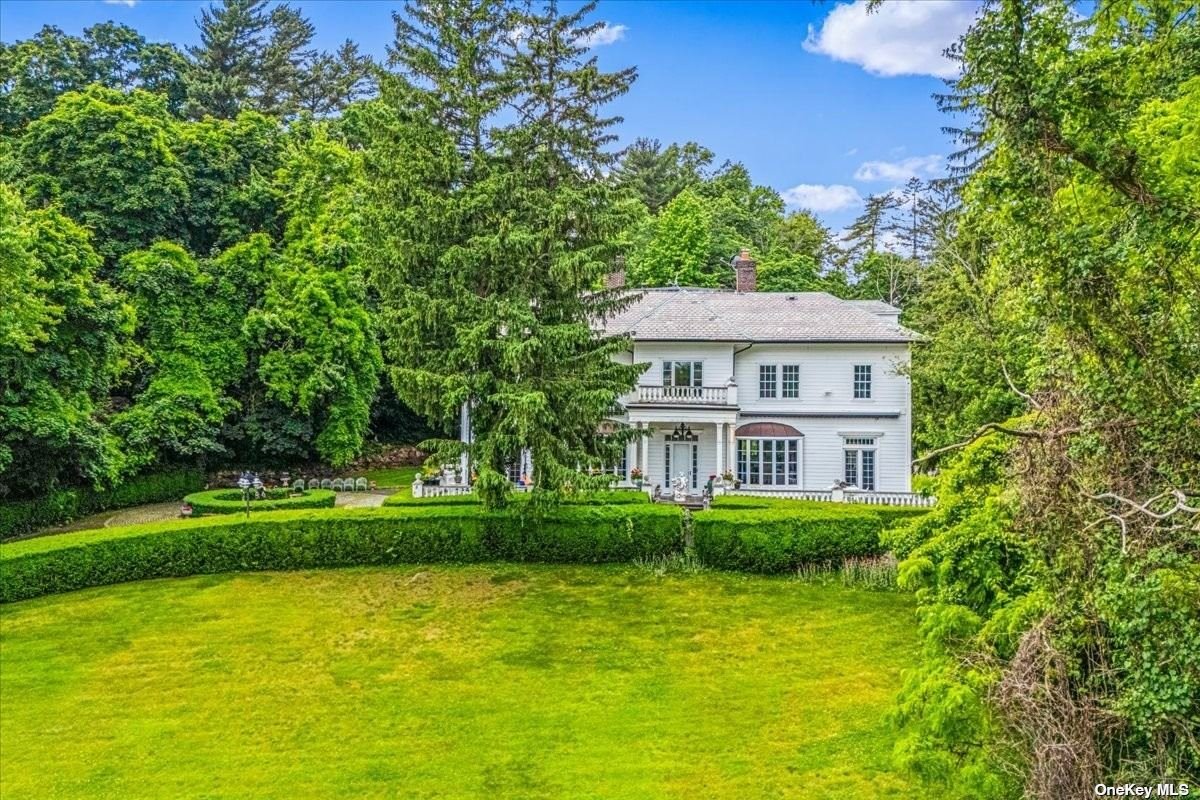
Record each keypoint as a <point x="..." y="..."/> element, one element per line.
<point x="35" y="72"/>
<point x="229" y="166"/>
<point x="1061" y="617"/>
<point x="320" y="358"/>
<point x="62" y="351"/>
<point x="190" y="351"/>
<point x="106" y="159"/>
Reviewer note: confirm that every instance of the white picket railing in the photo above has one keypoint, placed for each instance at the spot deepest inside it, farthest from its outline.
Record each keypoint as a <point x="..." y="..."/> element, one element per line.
<point x="420" y="489"/>
<point x="891" y="499"/>
<point x="685" y="395"/>
<point x="785" y="494"/>
<point x="829" y="496"/>
<point x="843" y="496"/>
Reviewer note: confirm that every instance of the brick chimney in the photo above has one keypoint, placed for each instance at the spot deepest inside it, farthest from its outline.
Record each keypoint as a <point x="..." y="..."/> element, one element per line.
<point x="616" y="278"/>
<point x="746" y="270"/>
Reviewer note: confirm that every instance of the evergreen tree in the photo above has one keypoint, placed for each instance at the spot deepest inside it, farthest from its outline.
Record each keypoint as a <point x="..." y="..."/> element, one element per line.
<point x="488" y="242"/>
<point x="226" y="63"/>
<point x="335" y="80"/>
<point x="285" y="64"/>
<point x="656" y="175"/>
<point x="865" y="234"/>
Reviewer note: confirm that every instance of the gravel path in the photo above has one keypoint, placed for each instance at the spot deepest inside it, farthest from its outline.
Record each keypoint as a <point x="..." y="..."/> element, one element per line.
<point x="360" y="499"/>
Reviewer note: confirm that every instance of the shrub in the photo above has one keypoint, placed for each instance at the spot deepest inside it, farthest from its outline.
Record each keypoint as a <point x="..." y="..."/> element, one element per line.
<point x="891" y="516"/>
<point x="26" y="516"/>
<point x="613" y="498"/>
<point x="780" y="540"/>
<point x="311" y="539"/>
<point x="229" y="501"/>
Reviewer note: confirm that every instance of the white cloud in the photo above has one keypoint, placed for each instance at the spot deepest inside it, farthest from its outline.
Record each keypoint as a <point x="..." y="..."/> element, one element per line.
<point x="605" y="34"/>
<point x="902" y="37"/>
<point x="915" y="166"/>
<point x="816" y="197"/>
<point x="126" y="3"/>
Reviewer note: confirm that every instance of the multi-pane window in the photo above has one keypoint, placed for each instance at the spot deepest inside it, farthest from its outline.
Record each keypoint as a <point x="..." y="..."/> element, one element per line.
<point x="767" y="380"/>
<point x="862" y="381"/>
<point x="790" y="383"/>
<point x="683" y="373"/>
<point x="860" y="462"/>
<point x="768" y="462"/>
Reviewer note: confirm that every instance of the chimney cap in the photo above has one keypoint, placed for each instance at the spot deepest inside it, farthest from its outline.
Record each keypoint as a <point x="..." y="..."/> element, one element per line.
<point x="744" y="255"/>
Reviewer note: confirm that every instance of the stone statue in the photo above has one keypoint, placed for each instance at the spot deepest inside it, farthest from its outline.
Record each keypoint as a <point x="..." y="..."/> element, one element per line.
<point x="680" y="485"/>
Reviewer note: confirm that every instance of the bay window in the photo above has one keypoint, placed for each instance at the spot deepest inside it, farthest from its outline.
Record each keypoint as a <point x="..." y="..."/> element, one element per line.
<point x="768" y="462"/>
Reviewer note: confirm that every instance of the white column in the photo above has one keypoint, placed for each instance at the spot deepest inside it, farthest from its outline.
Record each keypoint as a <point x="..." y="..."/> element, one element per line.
<point x="645" y="445"/>
<point x="464" y="461"/>
<point x="730" y="448"/>
<point x="720" y="449"/>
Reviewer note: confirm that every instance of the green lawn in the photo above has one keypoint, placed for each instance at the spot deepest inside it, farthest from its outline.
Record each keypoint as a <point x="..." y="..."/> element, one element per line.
<point x="498" y="682"/>
<point x="391" y="477"/>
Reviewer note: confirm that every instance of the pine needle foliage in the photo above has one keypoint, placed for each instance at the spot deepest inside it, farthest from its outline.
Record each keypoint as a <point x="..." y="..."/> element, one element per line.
<point x="492" y="225"/>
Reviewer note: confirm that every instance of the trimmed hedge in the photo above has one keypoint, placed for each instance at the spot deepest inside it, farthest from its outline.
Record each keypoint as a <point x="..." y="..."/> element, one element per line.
<point x="229" y="501"/>
<point x="890" y="515"/>
<point x="314" y="539"/>
<point x="778" y="540"/>
<point x="769" y="540"/>
<point x="613" y="498"/>
<point x="26" y="516"/>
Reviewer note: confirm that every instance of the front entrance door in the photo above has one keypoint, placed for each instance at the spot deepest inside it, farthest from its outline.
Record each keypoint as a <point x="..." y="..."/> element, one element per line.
<point x="682" y="458"/>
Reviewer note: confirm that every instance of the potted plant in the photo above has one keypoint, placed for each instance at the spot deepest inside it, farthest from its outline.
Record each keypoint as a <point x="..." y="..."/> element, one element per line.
<point x="636" y="476"/>
<point x="727" y="479"/>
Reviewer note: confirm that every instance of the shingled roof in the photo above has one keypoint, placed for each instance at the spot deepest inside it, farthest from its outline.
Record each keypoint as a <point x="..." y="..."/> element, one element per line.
<point x="687" y="314"/>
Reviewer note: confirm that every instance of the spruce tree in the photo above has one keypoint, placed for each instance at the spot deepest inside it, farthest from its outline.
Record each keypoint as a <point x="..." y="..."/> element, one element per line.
<point x="286" y="61"/>
<point x="225" y="63"/>
<point x="489" y="241"/>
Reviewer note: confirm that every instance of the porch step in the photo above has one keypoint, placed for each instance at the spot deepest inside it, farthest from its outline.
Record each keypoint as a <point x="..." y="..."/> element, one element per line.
<point x="694" y="502"/>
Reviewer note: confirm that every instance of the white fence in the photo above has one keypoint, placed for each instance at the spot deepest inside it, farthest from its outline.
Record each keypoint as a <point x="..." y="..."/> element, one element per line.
<point x="843" y="496"/>
<point x="912" y="499"/>
<point x="420" y="489"/>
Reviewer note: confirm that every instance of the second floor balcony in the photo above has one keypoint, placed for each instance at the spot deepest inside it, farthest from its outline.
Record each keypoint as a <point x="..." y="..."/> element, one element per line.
<point x="687" y="395"/>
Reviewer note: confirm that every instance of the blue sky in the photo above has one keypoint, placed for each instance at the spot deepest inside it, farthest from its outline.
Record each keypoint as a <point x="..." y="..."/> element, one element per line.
<point x="821" y="101"/>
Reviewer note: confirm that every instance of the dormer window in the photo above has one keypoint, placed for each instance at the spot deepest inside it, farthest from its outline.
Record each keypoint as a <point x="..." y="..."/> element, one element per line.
<point x="862" y="381"/>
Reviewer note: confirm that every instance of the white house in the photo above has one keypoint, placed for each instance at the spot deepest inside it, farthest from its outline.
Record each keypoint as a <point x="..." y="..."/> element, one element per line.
<point x="787" y="390"/>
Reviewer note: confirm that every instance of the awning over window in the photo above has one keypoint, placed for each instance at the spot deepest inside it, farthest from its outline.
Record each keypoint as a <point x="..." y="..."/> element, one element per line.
<point x="771" y="430"/>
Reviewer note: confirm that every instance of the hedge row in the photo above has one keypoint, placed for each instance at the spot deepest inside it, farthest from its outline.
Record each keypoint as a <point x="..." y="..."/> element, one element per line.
<point x="616" y="497"/>
<point x="229" y="501"/>
<point x="64" y="505"/>
<point x="768" y="540"/>
<point x="774" y="540"/>
<point x="891" y="515"/>
<point x="312" y="539"/>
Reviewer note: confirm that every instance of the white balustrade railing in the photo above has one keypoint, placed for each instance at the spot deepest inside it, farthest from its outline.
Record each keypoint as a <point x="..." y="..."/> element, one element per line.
<point x="843" y="496"/>
<point x="785" y="494"/>
<point x="420" y="489"/>
<point x="890" y="498"/>
<point x="686" y="395"/>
